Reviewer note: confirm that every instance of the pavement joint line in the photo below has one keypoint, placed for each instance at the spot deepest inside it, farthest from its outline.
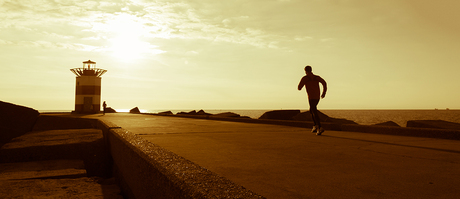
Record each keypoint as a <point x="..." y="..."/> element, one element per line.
<point x="395" y="144"/>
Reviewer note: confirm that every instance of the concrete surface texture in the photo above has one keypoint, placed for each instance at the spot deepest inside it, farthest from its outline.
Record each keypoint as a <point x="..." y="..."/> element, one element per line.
<point x="53" y="179"/>
<point x="146" y="170"/>
<point x="290" y="162"/>
<point x="69" y="163"/>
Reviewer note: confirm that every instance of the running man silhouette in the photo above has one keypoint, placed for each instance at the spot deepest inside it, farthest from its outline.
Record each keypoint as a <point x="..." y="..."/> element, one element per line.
<point x="311" y="83"/>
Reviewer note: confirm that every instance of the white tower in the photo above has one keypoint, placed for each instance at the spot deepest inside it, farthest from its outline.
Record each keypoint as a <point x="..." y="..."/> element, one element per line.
<point x="88" y="88"/>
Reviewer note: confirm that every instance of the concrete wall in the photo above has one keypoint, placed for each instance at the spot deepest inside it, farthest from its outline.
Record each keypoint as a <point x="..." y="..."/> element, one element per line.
<point x="15" y="120"/>
<point x="404" y="131"/>
<point x="146" y="170"/>
<point x="49" y="122"/>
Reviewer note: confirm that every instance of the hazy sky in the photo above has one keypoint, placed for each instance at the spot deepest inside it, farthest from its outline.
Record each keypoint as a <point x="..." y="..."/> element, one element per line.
<point x="233" y="54"/>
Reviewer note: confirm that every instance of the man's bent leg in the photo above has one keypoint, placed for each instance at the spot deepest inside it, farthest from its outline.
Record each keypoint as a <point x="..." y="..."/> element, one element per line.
<point x="314" y="111"/>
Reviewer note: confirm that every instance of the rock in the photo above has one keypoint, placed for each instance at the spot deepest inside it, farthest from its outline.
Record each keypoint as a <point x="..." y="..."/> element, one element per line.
<point x="437" y="124"/>
<point x="306" y="116"/>
<point x="341" y="121"/>
<point x="201" y="112"/>
<point x="280" y="114"/>
<point x="15" y="120"/>
<point x="389" y="123"/>
<point x="166" y="113"/>
<point x="134" y="110"/>
<point x="187" y="113"/>
<point x="110" y="110"/>
<point x="227" y="114"/>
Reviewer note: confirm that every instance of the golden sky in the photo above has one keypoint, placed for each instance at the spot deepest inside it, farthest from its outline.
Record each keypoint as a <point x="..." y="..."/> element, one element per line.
<point x="234" y="54"/>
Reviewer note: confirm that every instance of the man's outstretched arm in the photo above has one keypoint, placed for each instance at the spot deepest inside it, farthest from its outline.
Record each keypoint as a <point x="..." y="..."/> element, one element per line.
<point x="324" y="87"/>
<point x="301" y="84"/>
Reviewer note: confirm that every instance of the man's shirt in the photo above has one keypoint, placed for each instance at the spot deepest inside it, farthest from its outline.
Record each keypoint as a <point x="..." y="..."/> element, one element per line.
<point x="311" y="83"/>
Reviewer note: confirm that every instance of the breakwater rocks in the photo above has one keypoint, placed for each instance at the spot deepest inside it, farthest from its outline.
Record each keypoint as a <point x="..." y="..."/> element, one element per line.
<point x="296" y="115"/>
<point x="110" y="110"/>
<point x="203" y="114"/>
<point x="135" y="110"/>
<point x="416" y="128"/>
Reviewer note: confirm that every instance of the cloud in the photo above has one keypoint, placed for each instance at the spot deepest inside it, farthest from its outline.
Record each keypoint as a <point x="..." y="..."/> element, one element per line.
<point x="3" y="42"/>
<point x="304" y="38"/>
<point x="92" y="25"/>
<point x="52" y="45"/>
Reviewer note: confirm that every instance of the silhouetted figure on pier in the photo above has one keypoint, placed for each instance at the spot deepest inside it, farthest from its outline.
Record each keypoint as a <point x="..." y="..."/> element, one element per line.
<point x="311" y="83"/>
<point x="104" y="106"/>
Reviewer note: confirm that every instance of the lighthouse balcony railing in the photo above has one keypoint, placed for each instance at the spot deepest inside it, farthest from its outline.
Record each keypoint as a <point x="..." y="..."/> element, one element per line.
<point x="98" y="72"/>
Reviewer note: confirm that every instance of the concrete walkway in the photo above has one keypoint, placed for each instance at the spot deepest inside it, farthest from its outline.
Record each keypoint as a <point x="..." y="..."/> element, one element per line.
<point x="290" y="162"/>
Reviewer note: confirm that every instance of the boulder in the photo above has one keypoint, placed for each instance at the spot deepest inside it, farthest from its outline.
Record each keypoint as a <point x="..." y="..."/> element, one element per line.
<point x="437" y="124"/>
<point x="166" y="113"/>
<point x="227" y="114"/>
<point x="306" y="116"/>
<point x="110" y="110"/>
<point x="187" y="113"/>
<point x="201" y="112"/>
<point x="15" y="120"/>
<point x="389" y="123"/>
<point x="341" y="121"/>
<point x="280" y="114"/>
<point x="134" y="110"/>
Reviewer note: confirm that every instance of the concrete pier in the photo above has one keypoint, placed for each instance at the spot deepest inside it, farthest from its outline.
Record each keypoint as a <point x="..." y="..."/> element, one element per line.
<point x="290" y="162"/>
<point x="151" y="156"/>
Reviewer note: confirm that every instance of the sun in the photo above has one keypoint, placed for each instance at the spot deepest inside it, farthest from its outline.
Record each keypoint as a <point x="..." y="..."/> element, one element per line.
<point x="128" y="47"/>
<point x="126" y="36"/>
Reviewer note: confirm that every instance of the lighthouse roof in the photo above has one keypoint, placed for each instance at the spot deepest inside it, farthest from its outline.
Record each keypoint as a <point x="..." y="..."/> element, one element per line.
<point x="89" y="62"/>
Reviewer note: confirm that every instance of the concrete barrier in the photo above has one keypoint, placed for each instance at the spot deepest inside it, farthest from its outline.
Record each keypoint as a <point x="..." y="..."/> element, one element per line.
<point x="145" y="170"/>
<point x="404" y="131"/>
<point x="82" y="144"/>
<point x="50" y="122"/>
<point x="439" y="124"/>
<point x="15" y="120"/>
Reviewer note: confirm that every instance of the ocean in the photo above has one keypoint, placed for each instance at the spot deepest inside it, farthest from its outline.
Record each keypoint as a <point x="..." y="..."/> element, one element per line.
<point x="363" y="117"/>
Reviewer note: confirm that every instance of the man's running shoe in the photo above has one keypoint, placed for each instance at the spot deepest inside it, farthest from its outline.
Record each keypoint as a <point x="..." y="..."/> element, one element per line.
<point x="320" y="131"/>
<point x="314" y="129"/>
